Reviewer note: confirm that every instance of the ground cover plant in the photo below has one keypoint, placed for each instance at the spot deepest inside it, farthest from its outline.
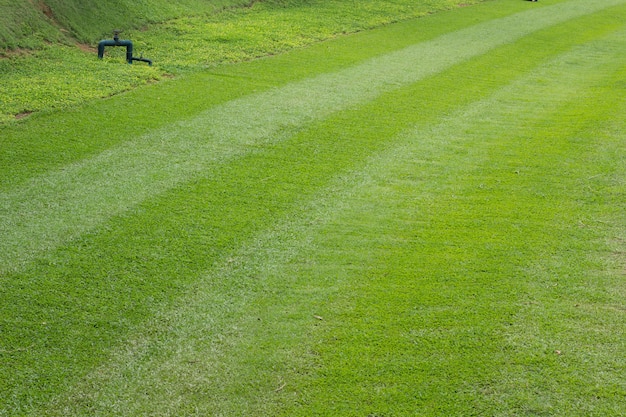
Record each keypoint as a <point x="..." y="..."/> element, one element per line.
<point x="60" y="77"/>
<point x="425" y="219"/>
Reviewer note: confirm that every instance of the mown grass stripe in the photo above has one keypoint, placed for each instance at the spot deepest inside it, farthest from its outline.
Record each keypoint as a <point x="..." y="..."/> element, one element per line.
<point x="50" y="140"/>
<point x="453" y="269"/>
<point x="388" y="186"/>
<point x="60" y="206"/>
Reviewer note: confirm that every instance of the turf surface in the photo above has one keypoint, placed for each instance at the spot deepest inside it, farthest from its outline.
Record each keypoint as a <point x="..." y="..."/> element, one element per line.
<point x="421" y="220"/>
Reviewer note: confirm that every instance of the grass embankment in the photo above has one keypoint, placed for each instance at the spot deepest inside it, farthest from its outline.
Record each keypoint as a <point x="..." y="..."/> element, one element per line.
<point x="58" y="77"/>
<point x="34" y="24"/>
<point x="47" y="49"/>
<point x="406" y="225"/>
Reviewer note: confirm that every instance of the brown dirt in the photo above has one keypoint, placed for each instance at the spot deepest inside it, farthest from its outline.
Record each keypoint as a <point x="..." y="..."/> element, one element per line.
<point x="87" y="48"/>
<point x="23" y="115"/>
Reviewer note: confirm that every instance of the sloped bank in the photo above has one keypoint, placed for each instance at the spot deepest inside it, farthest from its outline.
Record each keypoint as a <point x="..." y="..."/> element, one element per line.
<point x="60" y="76"/>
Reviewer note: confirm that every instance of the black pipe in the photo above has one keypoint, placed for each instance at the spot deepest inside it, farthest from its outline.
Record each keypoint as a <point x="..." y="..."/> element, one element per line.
<point x="149" y="61"/>
<point x="117" y="42"/>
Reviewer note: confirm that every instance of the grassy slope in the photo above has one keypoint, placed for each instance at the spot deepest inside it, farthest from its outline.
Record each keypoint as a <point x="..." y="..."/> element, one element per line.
<point x="450" y="243"/>
<point x="24" y="25"/>
<point x="28" y="23"/>
<point x="89" y="21"/>
<point x="59" y="77"/>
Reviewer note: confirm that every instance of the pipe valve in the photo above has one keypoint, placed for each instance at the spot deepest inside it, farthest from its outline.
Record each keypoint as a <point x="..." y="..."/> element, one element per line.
<point x="117" y="42"/>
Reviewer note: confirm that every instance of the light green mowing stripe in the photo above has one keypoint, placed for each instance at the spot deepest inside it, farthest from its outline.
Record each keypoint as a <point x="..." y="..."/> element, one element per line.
<point x="61" y="205"/>
<point x="93" y="294"/>
<point x="180" y="363"/>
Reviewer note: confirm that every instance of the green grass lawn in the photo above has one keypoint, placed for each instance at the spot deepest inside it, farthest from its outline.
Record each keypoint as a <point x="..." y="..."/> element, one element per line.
<point x="424" y="219"/>
<point x="50" y="78"/>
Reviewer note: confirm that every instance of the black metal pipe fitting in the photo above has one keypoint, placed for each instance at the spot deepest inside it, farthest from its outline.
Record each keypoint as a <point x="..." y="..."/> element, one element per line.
<point x="117" y="42"/>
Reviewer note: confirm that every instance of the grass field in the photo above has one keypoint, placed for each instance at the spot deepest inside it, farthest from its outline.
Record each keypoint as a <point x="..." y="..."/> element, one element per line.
<point x="54" y="77"/>
<point x="423" y="219"/>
